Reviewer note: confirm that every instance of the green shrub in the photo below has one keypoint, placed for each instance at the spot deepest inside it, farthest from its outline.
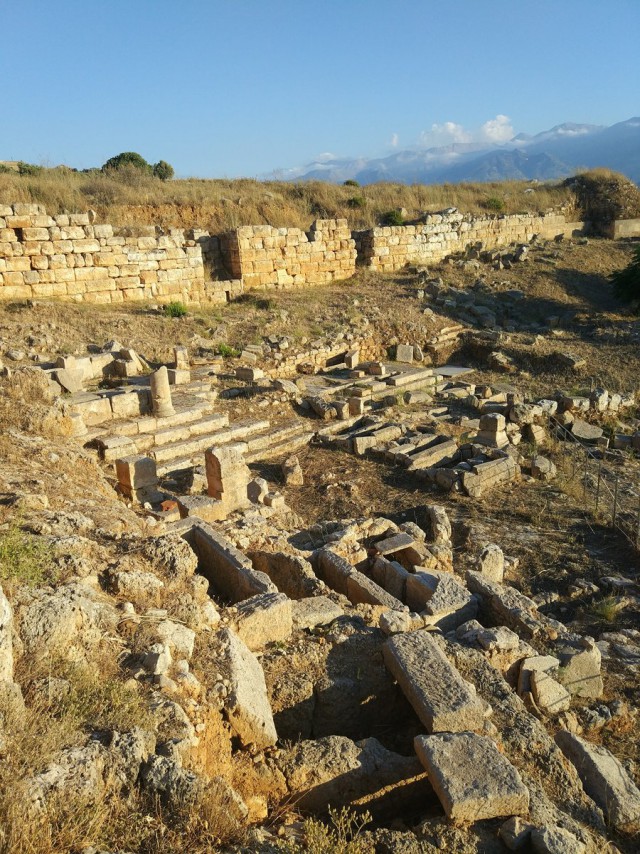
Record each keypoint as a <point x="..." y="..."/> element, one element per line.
<point x="28" y="168"/>
<point x="226" y="350"/>
<point x="163" y="170"/>
<point x="351" y="182"/>
<point x="175" y="309"/>
<point x="392" y="218"/>
<point x="356" y="202"/>
<point x="127" y="158"/>
<point x="626" y="283"/>
<point x="6" y="170"/>
<point x="25" y="558"/>
<point x="494" y="203"/>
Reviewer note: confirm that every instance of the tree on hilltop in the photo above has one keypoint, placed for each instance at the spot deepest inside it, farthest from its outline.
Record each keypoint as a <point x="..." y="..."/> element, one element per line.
<point x="127" y="158"/>
<point x="163" y="170"/>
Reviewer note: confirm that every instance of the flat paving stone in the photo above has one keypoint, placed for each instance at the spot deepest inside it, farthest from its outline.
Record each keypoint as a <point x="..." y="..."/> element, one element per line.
<point x="470" y="776"/>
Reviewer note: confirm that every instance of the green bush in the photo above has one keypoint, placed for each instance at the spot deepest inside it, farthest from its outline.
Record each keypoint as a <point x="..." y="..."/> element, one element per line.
<point x="494" y="203"/>
<point x="356" y="202"/>
<point x="626" y="283"/>
<point x="342" y="835"/>
<point x="127" y="158"/>
<point x="392" y="218"/>
<point x="175" y="309"/>
<point x="163" y="170"/>
<point x="351" y="182"/>
<point x="28" y="168"/>
<point x="226" y="350"/>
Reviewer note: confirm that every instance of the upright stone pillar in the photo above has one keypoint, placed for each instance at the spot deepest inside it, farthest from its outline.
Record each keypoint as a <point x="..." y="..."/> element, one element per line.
<point x="161" y="394"/>
<point x="228" y="475"/>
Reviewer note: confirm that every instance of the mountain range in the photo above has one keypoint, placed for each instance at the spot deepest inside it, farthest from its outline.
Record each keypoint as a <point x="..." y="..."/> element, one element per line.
<point x="555" y="153"/>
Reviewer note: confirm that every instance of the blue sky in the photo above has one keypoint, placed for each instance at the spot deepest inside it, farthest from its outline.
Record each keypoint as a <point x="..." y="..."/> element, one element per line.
<point x="243" y="87"/>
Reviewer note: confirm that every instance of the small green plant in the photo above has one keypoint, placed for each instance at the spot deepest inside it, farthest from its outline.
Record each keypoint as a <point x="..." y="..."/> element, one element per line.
<point x="392" y="218"/>
<point x="25" y="558"/>
<point x="227" y="351"/>
<point x="350" y="182"/>
<point x="626" y="283"/>
<point x="607" y="610"/>
<point x="494" y="203"/>
<point x="356" y="202"/>
<point x="28" y="168"/>
<point x="342" y="836"/>
<point x="175" y="309"/>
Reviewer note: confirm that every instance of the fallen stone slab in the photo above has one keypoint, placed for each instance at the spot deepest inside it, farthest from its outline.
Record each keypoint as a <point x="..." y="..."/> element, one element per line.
<point x="313" y="611"/>
<point x="471" y="778"/>
<point x="247" y="705"/>
<point x="604" y="779"/>
<point x="506" y="605"/>
<point x="362" y="590"/>
<point x="266" y="618"/>
<point x="586" y="432"/>
<point x="580" y="660"/>
<point x="394" y="544"/>
<point x="440" y="697"/>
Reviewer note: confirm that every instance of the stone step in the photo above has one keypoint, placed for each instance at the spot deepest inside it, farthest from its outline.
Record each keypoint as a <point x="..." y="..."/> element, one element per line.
<point x="205" y="426"/>
<point x="197" y="444"/>
<point x="275" y="436"/>
<point x="293" y="443"/>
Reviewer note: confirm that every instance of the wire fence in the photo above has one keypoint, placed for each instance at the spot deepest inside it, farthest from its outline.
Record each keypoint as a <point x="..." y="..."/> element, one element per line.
<point x="603" y="479"/>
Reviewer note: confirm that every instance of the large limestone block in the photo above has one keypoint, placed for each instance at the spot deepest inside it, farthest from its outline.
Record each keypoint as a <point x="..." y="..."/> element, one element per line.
<point x="441" y="698"/>
<point x="313" y="611"/>
<point x="580" y="661"/>
<point x="247" y="705"/>
<point x="265" y="618"/>
<point x="604" y="779"/>
<point x="472" y="779"/>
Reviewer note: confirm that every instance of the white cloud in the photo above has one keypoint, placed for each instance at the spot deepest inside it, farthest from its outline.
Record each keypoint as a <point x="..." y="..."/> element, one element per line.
<point x="494" y="130"/>
<point x="497" y="130"/>
<point x="395" y="139"/>
<point x="326" y="155"/>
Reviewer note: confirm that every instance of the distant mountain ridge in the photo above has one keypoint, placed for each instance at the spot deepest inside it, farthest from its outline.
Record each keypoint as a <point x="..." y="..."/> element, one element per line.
<point x="551" y="154"/>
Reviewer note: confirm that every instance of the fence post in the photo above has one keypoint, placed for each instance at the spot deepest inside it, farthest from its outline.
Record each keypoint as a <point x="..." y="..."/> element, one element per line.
<point x="598" y="485"/>
<point x="615" y="500"/>
<point x="638" y="529"/>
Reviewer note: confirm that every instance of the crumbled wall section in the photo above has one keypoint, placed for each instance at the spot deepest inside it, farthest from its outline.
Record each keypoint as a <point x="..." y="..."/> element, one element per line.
<point x="267" y="257"/>
<point x="392" y="247"/>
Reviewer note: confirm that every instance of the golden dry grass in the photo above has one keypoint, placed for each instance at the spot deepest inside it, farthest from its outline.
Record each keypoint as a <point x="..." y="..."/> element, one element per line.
<point x="129" y="197"/>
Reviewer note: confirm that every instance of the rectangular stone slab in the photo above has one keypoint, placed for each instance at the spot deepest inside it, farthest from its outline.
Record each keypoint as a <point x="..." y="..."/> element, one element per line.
<point x="440" y="697"/>
<point x="470" y="776"/>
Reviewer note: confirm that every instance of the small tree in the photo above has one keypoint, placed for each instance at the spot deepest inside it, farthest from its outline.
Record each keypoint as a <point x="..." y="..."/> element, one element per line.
<point x="626" y="283"/>
<point x="163" y="170"/>
<point x="127" y="158"/>
<point x="28" y="168"/>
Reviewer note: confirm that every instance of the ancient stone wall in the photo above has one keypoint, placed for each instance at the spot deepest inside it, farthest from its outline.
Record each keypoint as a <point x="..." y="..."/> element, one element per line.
<point x="393" y="247"/>
<point x="71" y="257"/>
<point x="267" y="257"/>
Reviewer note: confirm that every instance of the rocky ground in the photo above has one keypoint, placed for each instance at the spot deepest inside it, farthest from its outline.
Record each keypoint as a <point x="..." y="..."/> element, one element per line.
<point x="457" y="667"/>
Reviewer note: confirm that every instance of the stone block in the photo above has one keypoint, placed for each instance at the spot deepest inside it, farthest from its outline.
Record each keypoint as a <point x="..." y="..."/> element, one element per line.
<point x="263" y="619"/>
<point x="440" y="697"/>
<point x="605" y="779"/>
<point x="313" y="611"/>
<point x="404" y="353"/>
<point x="471" y="778"/>
<point x="491" y="562"/>
<point x="247" y="705"/>
<point x="136" y="471"/>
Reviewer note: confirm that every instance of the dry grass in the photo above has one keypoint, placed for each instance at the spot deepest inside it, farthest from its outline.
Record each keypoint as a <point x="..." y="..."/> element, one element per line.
<point x="131" y="198"/>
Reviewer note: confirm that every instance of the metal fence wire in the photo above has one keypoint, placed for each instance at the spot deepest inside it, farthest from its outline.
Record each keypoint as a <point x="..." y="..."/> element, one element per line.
<point x="609" y="489"/>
